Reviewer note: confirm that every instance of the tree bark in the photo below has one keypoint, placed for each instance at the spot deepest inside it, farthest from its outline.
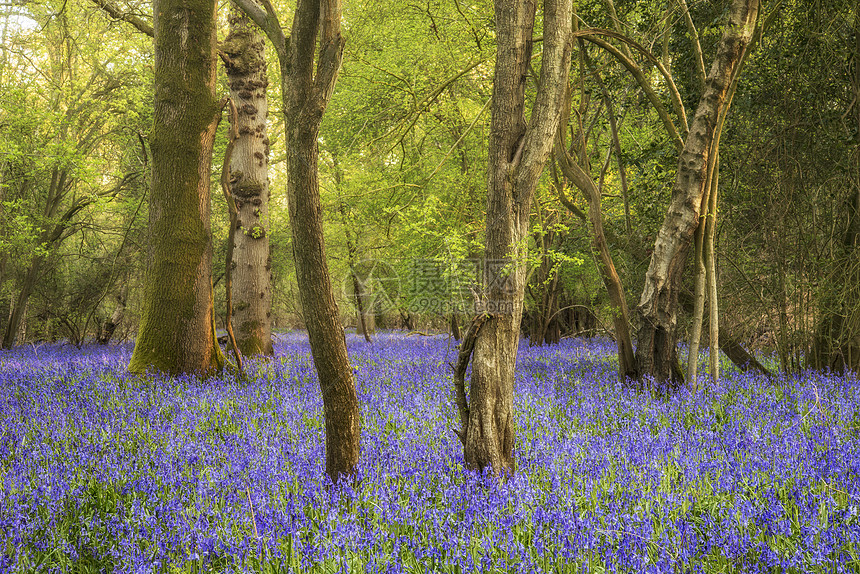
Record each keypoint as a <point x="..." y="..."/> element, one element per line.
<point x="245" y="64"/>
<point x="699" y="295"/>
<point x="177" y="330"/>
<point x="351" y="250"/>
<point x="711" y="272"/>
<point x="316" y="25"/>
<point x="657" y="311"/>
<point x="517" y="153"/>
<point x="359" y="304"/>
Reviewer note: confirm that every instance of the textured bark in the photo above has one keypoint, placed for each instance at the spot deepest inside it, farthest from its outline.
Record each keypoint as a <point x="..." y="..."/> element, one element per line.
<point x="245" y="64"/>
<point x="657" y="311"/>
<point x="316" y="25"/>
<point x="517" y="153"/>
<point x="177" y="329"/>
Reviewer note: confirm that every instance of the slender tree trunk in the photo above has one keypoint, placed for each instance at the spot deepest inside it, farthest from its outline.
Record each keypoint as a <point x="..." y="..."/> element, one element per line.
<point x="620" y="314"/>
<point x="359" y="305"/>
<point x="698" y="299"/>
<point x="657" y="311"/>
<point x="177" y="329"/>
<point x="729" y="346"/>
<point x="316" y="25"/>
<point x="705" y="284"/>
<point x="351" y="250"/>
<point x="711" y="275"/>
<point x="245" y="63"/>
<point x="305" y="98"/>
<point x="517" y="153"/>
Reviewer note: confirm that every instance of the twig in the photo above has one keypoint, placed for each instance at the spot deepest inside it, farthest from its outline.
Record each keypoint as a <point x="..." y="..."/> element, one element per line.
<point x="253" y="516"/>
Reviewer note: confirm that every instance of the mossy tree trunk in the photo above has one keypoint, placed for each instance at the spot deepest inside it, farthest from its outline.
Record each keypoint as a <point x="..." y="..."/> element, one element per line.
<point x="245" y="64"/>
<point x="177" y="329"/>
<point x="518" y="150"/>
<point x="310" y="61"/>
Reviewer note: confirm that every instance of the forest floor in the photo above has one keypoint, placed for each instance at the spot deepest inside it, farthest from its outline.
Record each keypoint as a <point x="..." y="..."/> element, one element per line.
<point x="104" y="471"/>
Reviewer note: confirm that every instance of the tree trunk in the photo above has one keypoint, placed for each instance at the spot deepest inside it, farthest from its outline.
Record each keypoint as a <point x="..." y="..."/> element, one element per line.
<point x="16" y="317"/>
<point x="316" y="24"/>
<point x="245" y="64"/>
<point x="109" y="328"/>
<point x="305" y="99"/>
<point x="620" y="313"/>
<point x="177" y="329"/>
<point x="351" y="250"/>
<point x="517" y="154"/>
<point x="729" y="346"/>
<point x="359" y="304"/>
<point x="657" y="311"/>
<point x="711" y="274"/>
<point x="699" y="295"/>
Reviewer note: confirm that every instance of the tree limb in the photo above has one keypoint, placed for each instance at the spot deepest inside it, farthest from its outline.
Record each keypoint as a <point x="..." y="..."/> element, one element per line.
<point x="268" y="23"/>
<point x="114" y="12"/>
<point x="463" y="358"/>
<point x="234" y="216"/>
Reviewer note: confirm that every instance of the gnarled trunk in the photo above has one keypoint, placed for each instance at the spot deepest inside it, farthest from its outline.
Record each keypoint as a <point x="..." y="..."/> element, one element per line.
<point x="517" y="154"/>
<point x="244" y="61"/>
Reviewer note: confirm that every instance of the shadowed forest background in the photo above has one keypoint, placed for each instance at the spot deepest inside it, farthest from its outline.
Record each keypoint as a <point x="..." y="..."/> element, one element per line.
<point x="403" y="174"/>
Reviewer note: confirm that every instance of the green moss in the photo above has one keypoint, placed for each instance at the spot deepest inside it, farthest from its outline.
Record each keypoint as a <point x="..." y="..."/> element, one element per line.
<point x="247" y="189"/>
<point x="257" y="231"/>
<point x="176" y="331"/>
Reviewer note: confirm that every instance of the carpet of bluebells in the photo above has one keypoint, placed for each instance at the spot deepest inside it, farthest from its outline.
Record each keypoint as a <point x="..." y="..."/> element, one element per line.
<point x="101" y="471"/>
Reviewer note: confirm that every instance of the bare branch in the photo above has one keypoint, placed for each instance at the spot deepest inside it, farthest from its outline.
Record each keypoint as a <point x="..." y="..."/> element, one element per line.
<point x="114" y="12"/>
<point x="591" y="34"/>
<point x="268" y="23"/>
